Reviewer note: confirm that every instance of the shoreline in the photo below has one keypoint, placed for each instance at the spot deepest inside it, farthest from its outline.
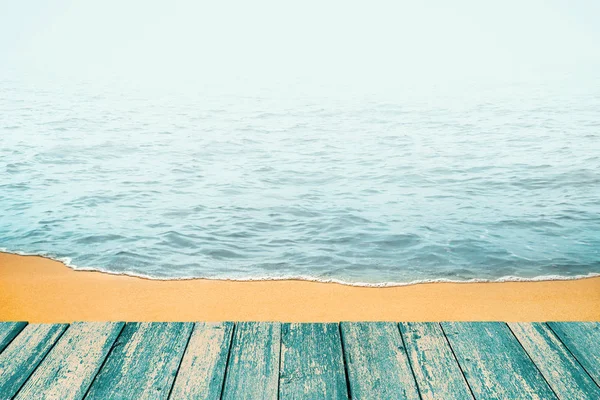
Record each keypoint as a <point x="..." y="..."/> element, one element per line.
<point x="509" y="278"/>
<point x="38" y="289"/>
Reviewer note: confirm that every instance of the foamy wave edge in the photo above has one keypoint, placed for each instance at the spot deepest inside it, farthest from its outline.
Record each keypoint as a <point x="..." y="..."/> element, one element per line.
<point x="68" y="262"/>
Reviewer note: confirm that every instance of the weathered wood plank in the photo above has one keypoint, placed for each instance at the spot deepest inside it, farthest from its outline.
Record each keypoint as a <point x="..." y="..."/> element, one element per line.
<point x="202" y="369"/>
<point x="435" y="368"/>
<point x="22" y="356"/>
<point x="8" y="331"/>
<point x="494" y="363"/>
<point x="378" y="367"/>
<point x="583" y="340"/>
<point x="562" y="372"/>
<point x="312" y="362"/>
<point x="70" y="367"/>
<point x="143" y="362"/>
<point x="253" y="369"/>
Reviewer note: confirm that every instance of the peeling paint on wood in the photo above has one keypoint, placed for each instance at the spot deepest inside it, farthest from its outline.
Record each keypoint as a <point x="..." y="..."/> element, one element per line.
<point x="22" y="356"/>
<point x="435" y="368"/>
<point x="143" y="362"/>
<point x="203" y="366"/>
<point x="69" y="368"/>
<point x="312" y="362"/>
<point x="8" y="331"/>
<point x="378" y="367"/>
<point x="494" y="363"/>
<point x="583" y="340"/>
<point x="564" y="374"/>
<point x="253" y="370"/>
<point x="256" y="360"/>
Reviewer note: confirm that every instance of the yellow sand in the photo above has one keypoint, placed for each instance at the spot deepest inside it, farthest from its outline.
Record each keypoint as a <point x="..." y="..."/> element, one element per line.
<point x="36" y="289"/>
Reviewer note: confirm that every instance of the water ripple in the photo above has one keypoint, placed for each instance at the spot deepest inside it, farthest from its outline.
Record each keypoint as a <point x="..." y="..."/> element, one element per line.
<point x="492" y="187"/>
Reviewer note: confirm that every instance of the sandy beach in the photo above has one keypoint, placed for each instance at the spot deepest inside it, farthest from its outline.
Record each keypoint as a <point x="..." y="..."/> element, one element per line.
<point x="37" y="289"/>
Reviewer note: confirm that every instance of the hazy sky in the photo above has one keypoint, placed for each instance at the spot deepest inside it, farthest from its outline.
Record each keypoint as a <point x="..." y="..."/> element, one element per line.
<point x="374" y="43"/>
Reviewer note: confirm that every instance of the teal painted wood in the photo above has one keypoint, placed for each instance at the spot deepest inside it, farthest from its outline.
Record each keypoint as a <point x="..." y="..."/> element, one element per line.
<point x="312" y="362"/>
<point x="70" y="367"/>
<point x="494" y="363"/>
<point x="143" y="362"/>
<point x="8" y="331"/>
<point x="564" y="374"/>
<point x="21" y="357"/>
<point x="435" y="368"/>
<point x="202" y="369"/>
<point x="583" y="340"/>
<point x="253" y="369"/>
<point x="378" y="367"/>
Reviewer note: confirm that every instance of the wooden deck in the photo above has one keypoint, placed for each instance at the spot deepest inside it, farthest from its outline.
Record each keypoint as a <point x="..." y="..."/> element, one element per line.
<point x="249" y="360"/>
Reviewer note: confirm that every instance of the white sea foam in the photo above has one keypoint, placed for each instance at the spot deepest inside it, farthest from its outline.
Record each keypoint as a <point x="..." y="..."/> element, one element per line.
<point x="67" y="262"/>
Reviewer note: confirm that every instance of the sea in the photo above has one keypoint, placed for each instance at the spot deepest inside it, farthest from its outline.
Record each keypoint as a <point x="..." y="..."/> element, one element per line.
<point x="472" y="183"/>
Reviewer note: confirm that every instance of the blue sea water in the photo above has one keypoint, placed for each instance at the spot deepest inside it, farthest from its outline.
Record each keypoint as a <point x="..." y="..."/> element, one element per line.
<point x="481" y="183"/>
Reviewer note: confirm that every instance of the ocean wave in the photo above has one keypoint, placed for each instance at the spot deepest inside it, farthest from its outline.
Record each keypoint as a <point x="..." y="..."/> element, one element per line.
<point x="68" y="263"/>
<point x="376" y="190"/>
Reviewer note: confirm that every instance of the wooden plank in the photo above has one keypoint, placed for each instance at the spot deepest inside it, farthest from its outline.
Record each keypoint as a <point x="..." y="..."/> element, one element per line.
<point x="23" y="355"/>
<point x="312" y="362"/>
<point x="144" y="361"/>
<point x="494" y="363"/>
<point x="583" y="340"/>
<point x="202" y="369"/>
<point x="253" y="369"/>
<point x="70" y="367"/>
<point x="435" y="368"/>
<point x="8" y="331"/>
<point x="378" y="367"/>
<point x="562" y="372"/>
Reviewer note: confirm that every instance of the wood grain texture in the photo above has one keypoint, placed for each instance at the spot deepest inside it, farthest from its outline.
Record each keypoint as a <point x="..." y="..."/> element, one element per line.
<point x="21" y="357"/>
<point x="312" y="362"/>
<point x="203" y="366"/>
<point x="8" y="331"/>
<point x="143" y="363"/>
<point x="254" y="360"/>
<point x="494" y="363"/>
<point x="583" y="340"/>
<point x="253" y="369"/>
<point x="69" y="368"/>
<point x="378" y="367"/>
<point x="562" y="372"/>
<point x="435" y="368"/>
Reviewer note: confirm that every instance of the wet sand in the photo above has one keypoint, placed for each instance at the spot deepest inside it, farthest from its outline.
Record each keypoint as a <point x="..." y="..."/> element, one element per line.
<point x="37" y="289"/>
